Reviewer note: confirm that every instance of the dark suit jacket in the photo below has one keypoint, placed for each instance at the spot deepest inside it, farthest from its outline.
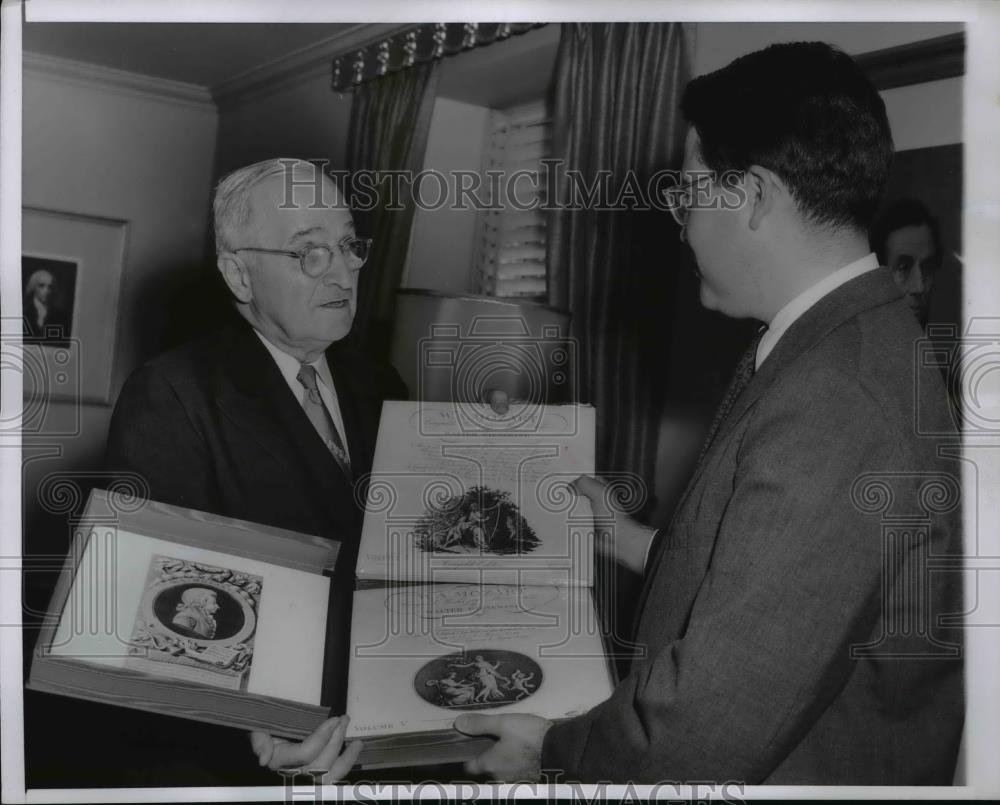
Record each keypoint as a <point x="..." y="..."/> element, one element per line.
<point x="776" y="568"/>
<point x="56" y="327"/>
<point x="213" y="426"/>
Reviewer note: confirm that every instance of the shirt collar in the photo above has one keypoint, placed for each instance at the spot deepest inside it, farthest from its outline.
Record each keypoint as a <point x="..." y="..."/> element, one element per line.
<point x="788" y="315"/>
<point x="289" y="365"/>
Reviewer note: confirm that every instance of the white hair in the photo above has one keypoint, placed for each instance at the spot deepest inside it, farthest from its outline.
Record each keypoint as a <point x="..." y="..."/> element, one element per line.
<point x="36" y="279"/>
<point x="196" y="596"/>
<point x="231" y="206"/>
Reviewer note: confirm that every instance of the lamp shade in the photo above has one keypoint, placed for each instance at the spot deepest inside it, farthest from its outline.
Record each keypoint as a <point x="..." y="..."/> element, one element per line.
<point x="458" y="348"/>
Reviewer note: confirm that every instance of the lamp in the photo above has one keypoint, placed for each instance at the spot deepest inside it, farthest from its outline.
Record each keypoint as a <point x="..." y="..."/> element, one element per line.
<point x="457" y="348"/>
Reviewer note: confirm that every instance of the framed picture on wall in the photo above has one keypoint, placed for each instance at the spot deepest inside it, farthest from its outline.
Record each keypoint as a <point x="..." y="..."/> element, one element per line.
<point x="71" y="271"/>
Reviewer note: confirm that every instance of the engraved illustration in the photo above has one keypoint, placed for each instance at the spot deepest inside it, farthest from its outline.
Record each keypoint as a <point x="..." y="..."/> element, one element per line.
<point x="478" y="680"/>
<point x="196" y="622"/>
<point x="481" y="521"/>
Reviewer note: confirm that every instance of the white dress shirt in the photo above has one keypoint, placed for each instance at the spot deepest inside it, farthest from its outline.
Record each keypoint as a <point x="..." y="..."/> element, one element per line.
<point x="41" y="311"/>
<point x="787" y="316"/>
<point x="289" y="367"/>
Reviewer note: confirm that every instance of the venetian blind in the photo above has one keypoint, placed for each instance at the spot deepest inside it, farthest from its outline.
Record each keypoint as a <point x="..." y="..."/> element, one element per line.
<point x="512" y="248"/>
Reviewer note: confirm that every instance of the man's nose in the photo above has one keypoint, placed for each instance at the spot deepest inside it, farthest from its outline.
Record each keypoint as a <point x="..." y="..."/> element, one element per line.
<point x="339" y="272"/>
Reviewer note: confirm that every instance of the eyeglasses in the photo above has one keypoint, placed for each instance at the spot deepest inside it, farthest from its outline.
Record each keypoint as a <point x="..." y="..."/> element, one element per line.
<point x="315" y="261"/>
<point x="680" y="209"/>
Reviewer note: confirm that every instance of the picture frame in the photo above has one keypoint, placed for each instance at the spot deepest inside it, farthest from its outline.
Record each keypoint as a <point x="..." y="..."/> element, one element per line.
<point x="72" y="266"/>
<point x="139" y="569"/>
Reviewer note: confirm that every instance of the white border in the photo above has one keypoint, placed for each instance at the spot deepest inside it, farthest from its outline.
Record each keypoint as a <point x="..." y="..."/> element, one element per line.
<point x="982" y="248"/>
<point x="11" y="701"/>
<point x="509" y="10"/>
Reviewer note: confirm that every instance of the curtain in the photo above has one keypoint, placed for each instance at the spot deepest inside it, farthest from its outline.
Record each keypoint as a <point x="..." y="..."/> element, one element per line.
<point x="612" y="261"/>
<point x="617" y="91"/>
<point x="390" y="120"/>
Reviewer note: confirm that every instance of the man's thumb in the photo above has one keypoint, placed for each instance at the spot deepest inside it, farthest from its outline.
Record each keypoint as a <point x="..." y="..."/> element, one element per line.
<point x="477" y="725"/>
<point x="590" y="487"/>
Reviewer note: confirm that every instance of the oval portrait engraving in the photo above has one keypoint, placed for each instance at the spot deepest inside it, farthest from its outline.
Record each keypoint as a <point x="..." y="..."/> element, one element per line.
<point x="199" y="611"/>
<point x="478" y="680"/>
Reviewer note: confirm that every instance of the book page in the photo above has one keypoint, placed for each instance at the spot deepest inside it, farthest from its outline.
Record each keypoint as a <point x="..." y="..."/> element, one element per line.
<point x="424" y="654"/>
<point x="458" y="490"/>
<point x="265" y="633"/>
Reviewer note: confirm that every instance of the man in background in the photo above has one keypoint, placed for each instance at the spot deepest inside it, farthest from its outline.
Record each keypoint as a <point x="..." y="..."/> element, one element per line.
<point x="772" y="603"/>
<point x="907" y="240"/>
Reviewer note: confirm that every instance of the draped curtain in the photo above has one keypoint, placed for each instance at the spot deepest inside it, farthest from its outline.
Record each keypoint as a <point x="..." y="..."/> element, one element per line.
<point x="615" y="108"/>
<point x="390" y="121"/>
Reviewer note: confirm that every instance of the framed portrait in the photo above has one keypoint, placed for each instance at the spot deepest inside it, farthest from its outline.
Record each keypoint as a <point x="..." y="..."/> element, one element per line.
<point x="71" y="271"/>
<point x="188" y="614"/>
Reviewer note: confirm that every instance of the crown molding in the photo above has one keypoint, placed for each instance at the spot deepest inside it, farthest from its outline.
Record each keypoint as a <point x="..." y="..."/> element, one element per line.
<point x="301" y="65"/>
<point x="915" y="62"/>
<point x="123" y="82"/>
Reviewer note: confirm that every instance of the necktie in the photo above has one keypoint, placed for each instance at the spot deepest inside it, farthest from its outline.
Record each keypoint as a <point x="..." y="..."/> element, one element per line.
<point x="312" y="404"/>
<point x="744" y="371"/>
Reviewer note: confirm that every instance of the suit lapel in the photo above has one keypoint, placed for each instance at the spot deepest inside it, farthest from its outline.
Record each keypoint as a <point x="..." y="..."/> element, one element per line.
<point x="862" y="293"/>
<point x="844" y="303"/>
<point x="261" y="404"/>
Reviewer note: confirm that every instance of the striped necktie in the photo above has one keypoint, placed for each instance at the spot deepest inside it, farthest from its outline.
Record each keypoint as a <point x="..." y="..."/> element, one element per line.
<point x="744" y="371"/>
<point x="320" y="417"/>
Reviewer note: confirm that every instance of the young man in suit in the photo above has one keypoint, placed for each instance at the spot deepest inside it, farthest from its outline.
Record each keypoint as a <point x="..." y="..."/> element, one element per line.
<point x="272" y="420"/>
<point x="773" y="604"/>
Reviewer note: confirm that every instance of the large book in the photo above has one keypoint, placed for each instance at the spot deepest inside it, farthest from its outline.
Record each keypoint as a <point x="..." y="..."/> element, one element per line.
<point x="474" y="578"/>
<point x="189" y="614"/>
<point x="458" y="491"/>
<point x="424" y="654"/>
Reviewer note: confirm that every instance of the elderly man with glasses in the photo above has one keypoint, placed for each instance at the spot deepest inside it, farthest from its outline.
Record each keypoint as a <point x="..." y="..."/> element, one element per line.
<point x="274" y="418"/>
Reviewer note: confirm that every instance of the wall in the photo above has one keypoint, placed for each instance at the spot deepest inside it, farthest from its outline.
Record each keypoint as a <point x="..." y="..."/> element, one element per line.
<point x="442" y="242"/>
<point x="101" y="142"/>
<point x="303" y="118"/>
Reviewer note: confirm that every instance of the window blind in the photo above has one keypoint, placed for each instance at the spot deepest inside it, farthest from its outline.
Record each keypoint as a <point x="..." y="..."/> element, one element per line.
<point x="512" y="249"/>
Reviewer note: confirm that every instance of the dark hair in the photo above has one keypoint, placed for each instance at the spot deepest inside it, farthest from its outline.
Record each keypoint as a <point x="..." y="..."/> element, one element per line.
<point x="806" y="111"/>
<point x="898" y="214"/>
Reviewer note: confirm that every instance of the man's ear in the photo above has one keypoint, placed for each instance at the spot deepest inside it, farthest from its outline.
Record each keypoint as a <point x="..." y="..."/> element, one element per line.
<point x="763" y="190"/>
<point x="236" y="275"/>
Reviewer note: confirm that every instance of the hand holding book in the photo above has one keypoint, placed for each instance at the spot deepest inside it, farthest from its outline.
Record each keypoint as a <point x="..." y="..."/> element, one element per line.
<point x="321" y="751"/>
<point x="517" y="754"/>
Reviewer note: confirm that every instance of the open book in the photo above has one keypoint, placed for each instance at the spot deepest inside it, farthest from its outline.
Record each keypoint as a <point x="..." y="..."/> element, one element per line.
<point x="458" y="490"/>
<point x="474" y="578"/>
<point x="424" y="654"/>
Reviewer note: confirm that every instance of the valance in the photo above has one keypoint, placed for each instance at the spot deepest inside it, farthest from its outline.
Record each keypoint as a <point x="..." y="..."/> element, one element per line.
<point x="419" y="44"/>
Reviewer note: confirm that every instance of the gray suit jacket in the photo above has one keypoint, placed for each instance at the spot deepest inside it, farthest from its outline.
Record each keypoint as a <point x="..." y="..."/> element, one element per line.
<point x="789" y="616"/>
